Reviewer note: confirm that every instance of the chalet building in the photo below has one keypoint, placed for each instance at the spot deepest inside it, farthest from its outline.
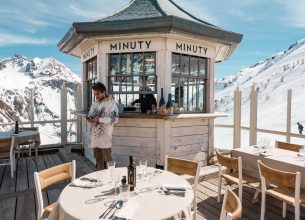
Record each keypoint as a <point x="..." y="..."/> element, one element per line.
<point x="149" y="46"/>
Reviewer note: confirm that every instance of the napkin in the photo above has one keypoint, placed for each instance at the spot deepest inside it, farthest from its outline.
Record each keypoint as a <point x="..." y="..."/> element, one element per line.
<point x="177" y="187"/>
<point x="265" y="154"/>
<point x="128" y="210"/>
<point x="85" y="184"/>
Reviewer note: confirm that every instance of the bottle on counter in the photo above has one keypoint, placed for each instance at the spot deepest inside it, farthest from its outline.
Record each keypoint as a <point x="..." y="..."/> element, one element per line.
<point x="162" y="101"/>
<point x="131" y="169"/>
<point x="16" y="127"/>
<point x="169" y="105"/>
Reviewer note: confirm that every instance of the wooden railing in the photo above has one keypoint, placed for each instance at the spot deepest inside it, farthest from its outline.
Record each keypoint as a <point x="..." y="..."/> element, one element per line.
<point x="253" y="129"/>
<point x="65" y="131"/>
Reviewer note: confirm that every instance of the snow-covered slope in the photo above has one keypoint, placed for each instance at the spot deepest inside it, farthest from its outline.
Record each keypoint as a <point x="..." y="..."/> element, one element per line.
<point x="272" y="78"/>
<point x="18" y="75"/>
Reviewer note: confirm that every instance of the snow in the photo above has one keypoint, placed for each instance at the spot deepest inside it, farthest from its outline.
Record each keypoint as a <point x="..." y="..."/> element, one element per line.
<point x="272" y="77"/>
<point x="18" y="75"/>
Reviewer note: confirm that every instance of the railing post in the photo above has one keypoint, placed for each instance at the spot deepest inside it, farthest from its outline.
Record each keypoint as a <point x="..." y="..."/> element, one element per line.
<point x="237" y="118"/>
<point x="32" y="116"/>
<point x="253" y="117"/>
<point x="78" y="103"/>
<point x="63" y="113"/>
<point x="288" y="122"/>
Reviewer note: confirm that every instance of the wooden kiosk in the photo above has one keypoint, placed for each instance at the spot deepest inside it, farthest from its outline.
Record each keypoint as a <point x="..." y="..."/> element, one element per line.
<point x="149" y="45"/>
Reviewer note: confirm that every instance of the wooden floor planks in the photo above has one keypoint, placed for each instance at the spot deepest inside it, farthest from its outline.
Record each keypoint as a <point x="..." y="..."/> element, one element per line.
<point x="17" y="195"/>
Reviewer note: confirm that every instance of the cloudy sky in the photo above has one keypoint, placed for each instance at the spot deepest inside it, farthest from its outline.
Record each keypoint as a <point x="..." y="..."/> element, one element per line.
<point x="34" y="27"/>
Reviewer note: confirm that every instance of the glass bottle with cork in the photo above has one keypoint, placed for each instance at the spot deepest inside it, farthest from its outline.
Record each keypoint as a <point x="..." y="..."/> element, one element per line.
<point x="131" y="169"/>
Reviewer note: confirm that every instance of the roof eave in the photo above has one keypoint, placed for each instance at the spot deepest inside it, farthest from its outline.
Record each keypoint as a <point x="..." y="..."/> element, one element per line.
<point x="165" y="24"/>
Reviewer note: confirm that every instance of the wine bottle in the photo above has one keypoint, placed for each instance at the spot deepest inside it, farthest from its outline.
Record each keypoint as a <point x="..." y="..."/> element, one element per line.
<point x="16" y="127"/>
<point x="169" y="104"/>
<point x="161" y="102"/>
<point x="132" y="173"/>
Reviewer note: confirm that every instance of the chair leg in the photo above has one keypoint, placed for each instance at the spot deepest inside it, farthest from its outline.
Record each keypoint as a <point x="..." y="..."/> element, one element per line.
<point x="284" y="209"/>
<point x="255" y="197"/>
<point x="297" y="211"/>
<point x="263" y="206"/>
<point x="240" y="195"/>
<point x="219" y="190"/>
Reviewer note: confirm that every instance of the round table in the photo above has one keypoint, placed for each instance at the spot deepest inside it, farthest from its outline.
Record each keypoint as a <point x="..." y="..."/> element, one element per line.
<point x="151" y="204"/>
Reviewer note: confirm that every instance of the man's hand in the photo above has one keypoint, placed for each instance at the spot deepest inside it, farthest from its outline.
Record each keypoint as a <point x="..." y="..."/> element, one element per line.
<point x="95" y="121"/>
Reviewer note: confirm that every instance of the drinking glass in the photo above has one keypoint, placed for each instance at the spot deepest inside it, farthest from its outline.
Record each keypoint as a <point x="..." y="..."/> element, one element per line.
<point x="115" y="176"/>
<point x="111" y="164"/>
<point x="302" y="150"/>
<point x="143" y="167"/>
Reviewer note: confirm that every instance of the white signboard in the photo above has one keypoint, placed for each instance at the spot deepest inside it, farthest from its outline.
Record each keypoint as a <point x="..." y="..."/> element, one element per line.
<point x="92" y="52"/>
<point x="133" y="45"/>
<point x="197" y="49"/>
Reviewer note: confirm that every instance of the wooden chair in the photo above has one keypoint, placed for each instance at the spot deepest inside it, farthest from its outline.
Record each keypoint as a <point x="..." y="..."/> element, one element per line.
<point x="234" y="175"/>
<point x="185" y="167"/>
<point x="231" y="206"/>
<point x="287" y="146"/>
<point x="287" y="188"/>
<point x="48" y="177"/>
<point x="29" y="144"/>
<point x="7" y="152"/>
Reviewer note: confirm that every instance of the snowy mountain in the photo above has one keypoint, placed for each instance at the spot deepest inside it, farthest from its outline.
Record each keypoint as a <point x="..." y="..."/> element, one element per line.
<point x="272" y="78"/>
<point x="47" y="76"/>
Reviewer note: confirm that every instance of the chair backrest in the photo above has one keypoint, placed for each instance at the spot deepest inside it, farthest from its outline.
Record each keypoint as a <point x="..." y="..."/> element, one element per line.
<point x="277" y="177"/>
<point x="187" y="167"/>
<point x="229" y="162"/>
<point x="181" y="166"/>
<point x="50" y="176"/>
<point x="287" y="146"/>
<point x="231" y="206"/>
<point x="5" y="147"/>
<point x="5" y="143"/>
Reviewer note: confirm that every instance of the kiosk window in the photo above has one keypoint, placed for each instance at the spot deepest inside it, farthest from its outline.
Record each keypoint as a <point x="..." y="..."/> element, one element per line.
<point x="132" y="75"/>
<point x="91" y="78"/>
<point x="189" y="80"/>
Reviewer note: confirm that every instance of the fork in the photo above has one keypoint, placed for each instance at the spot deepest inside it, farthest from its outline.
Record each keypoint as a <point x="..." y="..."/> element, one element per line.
<point x="111" y="206"/>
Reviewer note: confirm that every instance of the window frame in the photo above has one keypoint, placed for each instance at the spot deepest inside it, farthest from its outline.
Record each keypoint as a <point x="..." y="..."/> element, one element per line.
<point x="142" y="75"/>
<point x="90" y="80"/>
<point x="181" y="76"/>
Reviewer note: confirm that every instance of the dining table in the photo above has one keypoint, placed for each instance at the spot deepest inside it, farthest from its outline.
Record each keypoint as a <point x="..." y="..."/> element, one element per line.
<point x="280" y="159"/>
<point x="22" y="137"/>
<point x="149" y="200"/>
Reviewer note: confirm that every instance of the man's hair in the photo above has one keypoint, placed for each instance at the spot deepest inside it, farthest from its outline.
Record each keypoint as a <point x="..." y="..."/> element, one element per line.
<point x="99" y="87"/>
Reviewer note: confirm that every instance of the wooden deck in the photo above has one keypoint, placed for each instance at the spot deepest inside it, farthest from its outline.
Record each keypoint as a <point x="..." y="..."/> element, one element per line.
<point x="17" y="195"/>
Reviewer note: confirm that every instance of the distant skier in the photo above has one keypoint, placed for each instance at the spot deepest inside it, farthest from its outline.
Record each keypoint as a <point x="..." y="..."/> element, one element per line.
<point x="300" y="127"/>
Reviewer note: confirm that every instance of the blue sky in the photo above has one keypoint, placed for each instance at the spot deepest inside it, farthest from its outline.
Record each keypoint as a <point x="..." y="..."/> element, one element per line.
<point x="34" y="27"/>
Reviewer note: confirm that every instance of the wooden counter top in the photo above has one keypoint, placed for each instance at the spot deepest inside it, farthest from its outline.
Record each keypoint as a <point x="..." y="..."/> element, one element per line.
<point x="166" y="117"/>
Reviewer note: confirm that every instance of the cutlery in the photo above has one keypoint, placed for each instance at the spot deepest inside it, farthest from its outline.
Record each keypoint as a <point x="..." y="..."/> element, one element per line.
<point x="88" y="179"/>
<point x="118" y="205"/>
<point x="111" y="206"/>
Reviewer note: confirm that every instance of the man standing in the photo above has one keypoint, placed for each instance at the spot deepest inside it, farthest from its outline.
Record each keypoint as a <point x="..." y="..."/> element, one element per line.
<point x="300" y="127"/>
<point x="103" y="115"/>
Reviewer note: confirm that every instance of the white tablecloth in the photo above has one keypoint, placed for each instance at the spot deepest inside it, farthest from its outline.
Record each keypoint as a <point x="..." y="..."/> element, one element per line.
<point x="22" y="137"/>
<point x="279" y="159"/>
<point x="152" y="204"/>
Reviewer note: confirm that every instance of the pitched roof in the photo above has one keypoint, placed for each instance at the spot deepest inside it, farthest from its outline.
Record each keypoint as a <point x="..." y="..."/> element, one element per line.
<point x="138" y="9"/>
<point x="147" y="16"/>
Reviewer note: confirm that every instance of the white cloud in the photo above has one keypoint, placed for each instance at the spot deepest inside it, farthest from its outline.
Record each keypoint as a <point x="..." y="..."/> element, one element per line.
<point x="296" y="10"/>
<point x="7" y="39"/>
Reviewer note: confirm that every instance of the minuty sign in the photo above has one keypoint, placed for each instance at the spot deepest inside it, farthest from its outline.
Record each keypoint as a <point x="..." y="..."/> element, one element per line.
<point x="140" y="44"/>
